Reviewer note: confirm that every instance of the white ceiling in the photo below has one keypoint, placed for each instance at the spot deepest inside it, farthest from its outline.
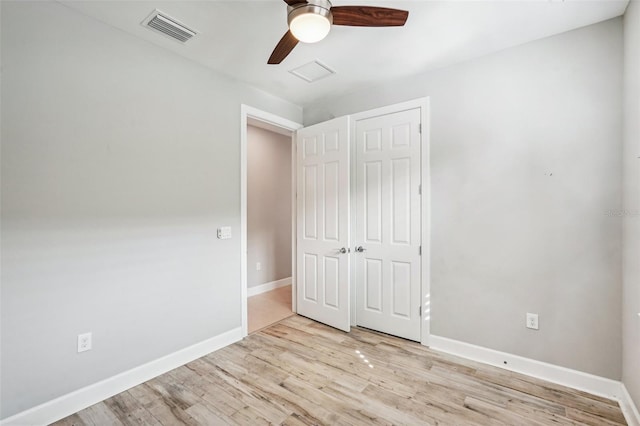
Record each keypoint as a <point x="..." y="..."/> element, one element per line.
<point x="237" y="37"/>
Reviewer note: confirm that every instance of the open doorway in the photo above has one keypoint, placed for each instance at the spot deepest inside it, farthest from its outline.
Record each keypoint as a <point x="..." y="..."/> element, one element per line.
<point x="268" y="218"/>
<point x="269" y="224"/>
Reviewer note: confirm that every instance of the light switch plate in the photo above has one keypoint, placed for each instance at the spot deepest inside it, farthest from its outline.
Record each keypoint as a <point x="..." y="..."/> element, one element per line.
<point x="224" y="232"/>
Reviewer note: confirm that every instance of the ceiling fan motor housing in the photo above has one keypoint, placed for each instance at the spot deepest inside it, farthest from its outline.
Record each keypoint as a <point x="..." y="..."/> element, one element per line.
<point x="318" y="7"/>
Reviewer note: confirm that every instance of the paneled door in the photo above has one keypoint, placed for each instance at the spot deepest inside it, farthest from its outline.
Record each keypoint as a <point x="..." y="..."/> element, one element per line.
<point x="387" y="234"/>
<point x="322" y="259"/>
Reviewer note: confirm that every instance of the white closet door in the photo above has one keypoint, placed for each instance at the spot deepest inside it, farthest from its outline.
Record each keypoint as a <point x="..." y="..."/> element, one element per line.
<point x="322" y="268"/>
<point x="388" y="223"/>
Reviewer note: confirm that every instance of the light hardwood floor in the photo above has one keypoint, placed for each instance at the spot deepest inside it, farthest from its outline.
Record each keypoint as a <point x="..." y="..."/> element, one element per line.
<point x="268" y="308"/>
<point x="299" y="372"/>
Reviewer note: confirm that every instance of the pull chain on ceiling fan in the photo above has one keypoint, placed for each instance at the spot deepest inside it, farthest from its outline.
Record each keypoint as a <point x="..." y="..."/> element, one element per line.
<point x="310" y="21"/>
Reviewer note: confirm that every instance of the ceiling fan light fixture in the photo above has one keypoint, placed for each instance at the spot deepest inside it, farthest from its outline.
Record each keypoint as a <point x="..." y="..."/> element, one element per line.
<point x="311" y="20"/>
<point x="310" y="23"/>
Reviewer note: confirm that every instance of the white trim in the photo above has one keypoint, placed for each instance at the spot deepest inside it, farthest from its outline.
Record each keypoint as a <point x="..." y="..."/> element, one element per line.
<point x="294" y="223"/>
<point x="425" y="225"/>
<point x="425" y="211"/>
<point x="353" y="220"/>
<point x="590" y="383"/>
<point x="390" y="109"/>
<point x="247" y="111"/>
<point x="80" y="399"/>
<point x="629" y="408"/>
<point x="541" y="370"/>
<point x="263" y="288"/>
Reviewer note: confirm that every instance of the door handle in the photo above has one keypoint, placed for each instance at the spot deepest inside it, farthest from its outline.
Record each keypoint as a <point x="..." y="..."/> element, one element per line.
<point x="360" y="249"/>
<point x="342" y="250"/>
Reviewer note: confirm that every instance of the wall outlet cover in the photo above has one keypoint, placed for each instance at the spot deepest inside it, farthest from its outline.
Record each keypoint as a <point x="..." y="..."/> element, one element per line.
<point x="84" y="342"/>
<point x="532" y="321"/>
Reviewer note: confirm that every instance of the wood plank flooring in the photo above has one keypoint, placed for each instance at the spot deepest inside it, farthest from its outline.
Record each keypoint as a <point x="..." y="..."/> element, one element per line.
<point x="299" y="372"/>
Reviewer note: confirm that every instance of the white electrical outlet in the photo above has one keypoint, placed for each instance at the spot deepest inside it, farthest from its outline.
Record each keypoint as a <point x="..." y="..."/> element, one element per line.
<point x="258" y="266"/>
<point x="532" y="321"/>
<point x="84" y="342"/>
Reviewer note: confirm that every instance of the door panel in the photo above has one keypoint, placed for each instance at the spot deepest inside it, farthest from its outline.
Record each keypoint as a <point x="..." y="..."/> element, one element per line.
<point x="310" y="273"/>
<point x="373" y="284"/>
<point x="331" y="201"/>
<point x="323" y="223"/>
<point x="388" y="223"/>
<point x="310" y="184"/>
<point x="400" y="289"/>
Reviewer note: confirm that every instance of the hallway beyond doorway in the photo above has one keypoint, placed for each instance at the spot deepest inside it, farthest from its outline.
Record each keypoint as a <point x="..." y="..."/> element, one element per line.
<point x="268" y="308"/>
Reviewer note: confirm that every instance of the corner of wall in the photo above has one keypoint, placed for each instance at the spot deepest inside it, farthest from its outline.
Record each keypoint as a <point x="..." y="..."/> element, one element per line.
<point x="631" y="204"/>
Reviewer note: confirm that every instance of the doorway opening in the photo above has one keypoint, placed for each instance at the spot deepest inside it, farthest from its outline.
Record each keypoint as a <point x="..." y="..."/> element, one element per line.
<point x="267" y="218"/>
<point x="269" y="225"/>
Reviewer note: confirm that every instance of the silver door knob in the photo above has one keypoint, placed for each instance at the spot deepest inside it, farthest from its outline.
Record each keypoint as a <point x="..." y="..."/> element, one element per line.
<point x="360" y="249"/>
<point x="342" y="250"/>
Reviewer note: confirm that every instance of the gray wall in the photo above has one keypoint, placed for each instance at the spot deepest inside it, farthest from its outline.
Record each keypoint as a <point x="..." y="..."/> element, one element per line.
<point x="631" y="209"/>
<point x="525" y="164"/>
<point x="119" y="161"/>
<point x="268" y="206"/>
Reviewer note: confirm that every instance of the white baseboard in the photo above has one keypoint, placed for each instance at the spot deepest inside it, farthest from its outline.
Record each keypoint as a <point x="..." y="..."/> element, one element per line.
<point x="263" y="288"/>
<point x="73" y="402"/>
<point x="590" y="383"/>
<point x="629" y="408"/>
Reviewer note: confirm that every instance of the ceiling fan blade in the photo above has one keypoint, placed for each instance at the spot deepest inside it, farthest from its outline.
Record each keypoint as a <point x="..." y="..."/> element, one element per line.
<point x="368" y="16"/>
<point x="294" y="2"/>
<point x="283" y="48"/>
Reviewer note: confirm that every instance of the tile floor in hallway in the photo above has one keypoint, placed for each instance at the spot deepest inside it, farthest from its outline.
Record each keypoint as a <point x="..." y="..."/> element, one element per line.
<point x="268" y="308"/>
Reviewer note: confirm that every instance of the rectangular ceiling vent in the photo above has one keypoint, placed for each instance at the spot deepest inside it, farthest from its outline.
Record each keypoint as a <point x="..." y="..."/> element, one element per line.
<point x="163" y="23"/>
<point x="313" y="71"/>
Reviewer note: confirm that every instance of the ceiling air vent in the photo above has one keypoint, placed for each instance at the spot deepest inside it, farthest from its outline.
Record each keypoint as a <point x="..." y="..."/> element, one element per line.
<point x="313" y="71"/>
<point x="162" y="23"/>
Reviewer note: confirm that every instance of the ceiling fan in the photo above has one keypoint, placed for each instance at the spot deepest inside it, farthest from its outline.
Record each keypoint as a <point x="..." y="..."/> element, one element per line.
<point x="310" y="21"/>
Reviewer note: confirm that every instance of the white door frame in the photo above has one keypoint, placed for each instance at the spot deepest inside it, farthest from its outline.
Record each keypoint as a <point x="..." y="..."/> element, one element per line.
<point x="425" y="207"/>
<point x="246" y="112"/>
